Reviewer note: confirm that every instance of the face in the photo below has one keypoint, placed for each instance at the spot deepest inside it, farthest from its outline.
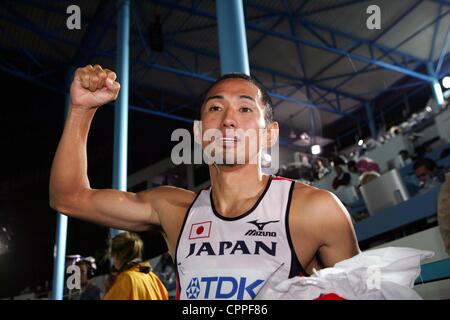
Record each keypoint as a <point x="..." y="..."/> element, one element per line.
<point x="116" y="262"/>
<point x="233" y="109"/>
<point x="422" y="173"/>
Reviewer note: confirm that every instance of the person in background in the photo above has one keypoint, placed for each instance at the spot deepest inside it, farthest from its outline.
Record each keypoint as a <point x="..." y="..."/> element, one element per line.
<point x="89" y="291"/>
<point x="342" y="178"/>
<point x="134" y="279"/>
<point x="319" y="169"/>
<point x="363" y="164"/>
<point x="368" y="176"/>
<point x="428" y="173"/>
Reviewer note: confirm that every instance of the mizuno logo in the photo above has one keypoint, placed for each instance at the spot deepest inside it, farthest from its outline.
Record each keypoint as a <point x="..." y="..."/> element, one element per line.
<point x="261" y="225"/>
<point x="259" y="233"/>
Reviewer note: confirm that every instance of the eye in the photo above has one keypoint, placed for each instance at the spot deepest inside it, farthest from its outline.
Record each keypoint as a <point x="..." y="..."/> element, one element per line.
<point x="214" y="108"/>
<point x="245" y="109"/>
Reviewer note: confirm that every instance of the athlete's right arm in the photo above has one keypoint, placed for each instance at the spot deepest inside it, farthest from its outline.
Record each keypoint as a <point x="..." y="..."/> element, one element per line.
<point x="70" y="191"/>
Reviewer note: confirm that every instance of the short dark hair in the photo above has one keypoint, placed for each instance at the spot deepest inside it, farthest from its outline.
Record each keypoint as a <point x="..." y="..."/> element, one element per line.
<point x="265" y="97"/>
<point x="425" y="162"/>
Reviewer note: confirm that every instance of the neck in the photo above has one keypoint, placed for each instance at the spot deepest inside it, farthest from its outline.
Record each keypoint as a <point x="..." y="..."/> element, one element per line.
<point x="236" y="187"/>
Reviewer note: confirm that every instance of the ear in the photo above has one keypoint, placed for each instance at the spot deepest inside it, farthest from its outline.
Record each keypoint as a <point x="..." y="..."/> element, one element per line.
<point x="197" y="129"/>
<point x="272" y="133"/>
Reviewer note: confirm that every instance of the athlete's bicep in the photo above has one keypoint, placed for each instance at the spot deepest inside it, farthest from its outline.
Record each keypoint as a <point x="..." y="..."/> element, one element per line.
<point x="117" y="209"/>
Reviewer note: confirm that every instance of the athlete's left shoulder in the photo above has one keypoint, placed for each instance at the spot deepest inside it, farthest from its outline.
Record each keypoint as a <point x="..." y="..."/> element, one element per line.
<point x="319" y="203"/>
<point x="310" y="193"/>
<point x="321" y="216"/>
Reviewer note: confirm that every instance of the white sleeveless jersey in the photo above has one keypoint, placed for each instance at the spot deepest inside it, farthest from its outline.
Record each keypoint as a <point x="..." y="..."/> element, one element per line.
<point x="231" y="258"/>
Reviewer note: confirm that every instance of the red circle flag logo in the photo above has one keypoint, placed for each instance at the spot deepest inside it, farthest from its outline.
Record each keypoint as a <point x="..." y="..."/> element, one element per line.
<point x="200" y="230"/>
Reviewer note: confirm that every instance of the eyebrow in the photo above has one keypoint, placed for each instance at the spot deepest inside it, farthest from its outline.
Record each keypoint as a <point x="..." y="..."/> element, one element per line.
<point x="213" y="97"/>
<point x="221" y="97"/>
<point x="247" y="97"/>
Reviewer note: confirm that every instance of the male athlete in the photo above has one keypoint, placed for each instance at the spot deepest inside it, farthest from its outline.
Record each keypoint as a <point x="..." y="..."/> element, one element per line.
<point x="226" y="240"/>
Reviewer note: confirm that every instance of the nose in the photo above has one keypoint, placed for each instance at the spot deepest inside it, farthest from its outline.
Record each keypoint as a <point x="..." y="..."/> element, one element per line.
<point x="229" y="119"/>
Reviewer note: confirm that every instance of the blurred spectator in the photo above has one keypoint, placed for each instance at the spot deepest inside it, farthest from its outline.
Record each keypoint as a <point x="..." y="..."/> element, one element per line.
<point x="89" y="291"/>
<point x="305" y="161"/>
<point x="342" y="178"/>
<point x="363" y="164"/>
<point x="353" y="170"/>
<point x="368" y="176"/>
<point x="363" y="169"/>
<point x="319" y="169"/>
<point x="134" y="279"/>
<point x="427" y="173"/>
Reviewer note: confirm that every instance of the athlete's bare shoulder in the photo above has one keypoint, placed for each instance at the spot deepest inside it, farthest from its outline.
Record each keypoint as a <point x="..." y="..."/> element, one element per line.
<point x="303" y="189"/>
<point x="320" y="220"/>
<point x="316" y="211"/>
<point x="315" y="201"/>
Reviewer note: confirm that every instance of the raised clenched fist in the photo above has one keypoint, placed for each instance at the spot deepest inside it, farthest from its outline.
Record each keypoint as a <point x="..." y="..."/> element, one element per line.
<point x="93" y="87"/>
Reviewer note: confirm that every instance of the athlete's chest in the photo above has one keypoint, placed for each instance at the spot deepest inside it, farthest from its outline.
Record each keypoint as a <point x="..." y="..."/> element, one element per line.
<point x="255" y="237"/>
<point x="231" y="257"/>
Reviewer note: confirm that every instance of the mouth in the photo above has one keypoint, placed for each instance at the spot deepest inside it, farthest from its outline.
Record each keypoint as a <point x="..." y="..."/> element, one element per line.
<point x="228" y="141"/>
